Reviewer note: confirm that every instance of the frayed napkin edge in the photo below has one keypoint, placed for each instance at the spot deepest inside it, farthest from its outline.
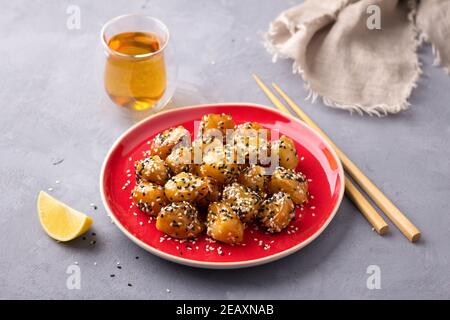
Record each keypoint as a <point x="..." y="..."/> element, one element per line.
<point x="381" y="109"/>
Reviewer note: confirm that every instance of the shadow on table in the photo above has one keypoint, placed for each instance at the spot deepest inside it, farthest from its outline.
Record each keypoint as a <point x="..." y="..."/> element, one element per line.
<point x="185" y="95"/>
<point x="295" y="266"/>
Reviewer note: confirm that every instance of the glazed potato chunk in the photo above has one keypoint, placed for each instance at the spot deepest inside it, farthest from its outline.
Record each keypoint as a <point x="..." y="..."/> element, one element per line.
<point x="223" y="224"/>
<point x="180" y="160"/>
<point x="149" y="197"/>
<point x="185" y="187"/>
<point x="251" y="140"/>
<point x="180" y="220"/>
<point x="253" y="177"/>
<point x="203" y="146"/>
<point x="242" y="200"/>
<point x="164" y="142"/>
<point x="252" y="129"/>
<point x="213" y="193"/>
<point x="152" y="169"/>
<point x="220" y="165"/>
<point x="291" y="182"/>
<point x="276" y="212"/>
<point x="221" y="122"/>
<point x="287" y="153"/>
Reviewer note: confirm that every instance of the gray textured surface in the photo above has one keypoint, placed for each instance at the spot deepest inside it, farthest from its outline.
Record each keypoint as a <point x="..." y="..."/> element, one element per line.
<point x="53" y="107"/>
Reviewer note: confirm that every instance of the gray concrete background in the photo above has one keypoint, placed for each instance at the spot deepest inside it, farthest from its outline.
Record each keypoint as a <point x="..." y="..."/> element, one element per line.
<point x="53" y="107"/>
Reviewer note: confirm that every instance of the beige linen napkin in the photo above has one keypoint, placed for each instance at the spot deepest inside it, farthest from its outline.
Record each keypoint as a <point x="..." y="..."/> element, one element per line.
<point x="350" y="63"/>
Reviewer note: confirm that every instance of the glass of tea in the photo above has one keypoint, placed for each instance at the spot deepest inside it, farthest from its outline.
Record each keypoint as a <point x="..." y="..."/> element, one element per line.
<point x="140" y="71"/>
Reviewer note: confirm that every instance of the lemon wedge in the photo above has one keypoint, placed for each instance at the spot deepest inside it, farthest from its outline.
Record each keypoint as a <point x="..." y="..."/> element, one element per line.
<point x="59" y="221"/>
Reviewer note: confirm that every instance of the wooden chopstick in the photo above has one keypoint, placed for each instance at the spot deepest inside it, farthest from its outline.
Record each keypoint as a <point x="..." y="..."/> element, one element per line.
<point x="368" y="211"/>
<point x="411" y="232"/>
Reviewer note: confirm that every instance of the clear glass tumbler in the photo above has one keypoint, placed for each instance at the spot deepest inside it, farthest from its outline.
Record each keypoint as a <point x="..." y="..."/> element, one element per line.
<point x="140" y="70"/>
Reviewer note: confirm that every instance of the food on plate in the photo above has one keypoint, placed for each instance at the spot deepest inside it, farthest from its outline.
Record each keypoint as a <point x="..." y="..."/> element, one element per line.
<point x="149" y="197"/>
<point x="252" y="141"/>
<point x="164" y="142"/>
<point x="152" y="169"/>
<point x="242" y="200"/>
<point x="254" y="177"/>
<point x="223" y="191"/>
<point x="276" y="212"/>
<point x="220" y="122"/>
<point x="180" y="160"/>
<point x="287" y="153"/>
<point x="291" y="182"/>
<point x="180" y="220"/>
<point x="185" y="187"/>
<point x="223" y="223"/>
<point x="217" y="166"/>
<point x="213" y="194"/>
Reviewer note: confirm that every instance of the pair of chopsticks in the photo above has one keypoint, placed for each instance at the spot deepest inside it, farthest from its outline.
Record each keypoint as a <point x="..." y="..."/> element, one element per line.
<point x="370" y="213"/>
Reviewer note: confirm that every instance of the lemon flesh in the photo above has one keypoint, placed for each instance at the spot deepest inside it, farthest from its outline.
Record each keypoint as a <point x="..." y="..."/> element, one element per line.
<point x="59" y="221"/>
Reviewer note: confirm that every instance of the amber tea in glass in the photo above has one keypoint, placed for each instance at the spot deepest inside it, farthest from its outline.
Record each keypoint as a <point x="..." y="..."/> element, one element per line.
<point x="135" y="73"/>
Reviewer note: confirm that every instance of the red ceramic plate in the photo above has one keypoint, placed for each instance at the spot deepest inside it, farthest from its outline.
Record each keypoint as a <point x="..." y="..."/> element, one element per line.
<point x="317" y="161"/>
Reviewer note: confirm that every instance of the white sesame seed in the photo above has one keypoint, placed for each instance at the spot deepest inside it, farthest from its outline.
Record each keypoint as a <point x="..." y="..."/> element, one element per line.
<point x="50" y="189"/>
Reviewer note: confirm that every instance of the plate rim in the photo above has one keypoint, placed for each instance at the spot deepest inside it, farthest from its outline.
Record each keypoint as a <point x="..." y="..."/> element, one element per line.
<point x="221" y="265"/>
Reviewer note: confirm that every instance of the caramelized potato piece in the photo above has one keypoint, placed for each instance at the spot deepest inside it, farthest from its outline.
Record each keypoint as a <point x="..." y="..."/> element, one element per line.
<point x="180" y="220"/>
<point x="149" y="197"/>
<point x="204" y="145"/>
<point x="185" y="187"/>
<point x="252" y="129"/>
<point x="152" y="169"/>
<point x="287" y="153"/>
<point x="221" y="122"/>
<point x="242" y="200"/>
<point x="213" y="193"/>
<point x="164" y="142"/>
<point x="253" y="177"/>
<point x="219" y="165"/>
<point x="291" y="182"/>
<point x="223" y="224"/>
<point x="251" y="140"/>
<point x="277" y="212"/>
<point x="180" y="160"/>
